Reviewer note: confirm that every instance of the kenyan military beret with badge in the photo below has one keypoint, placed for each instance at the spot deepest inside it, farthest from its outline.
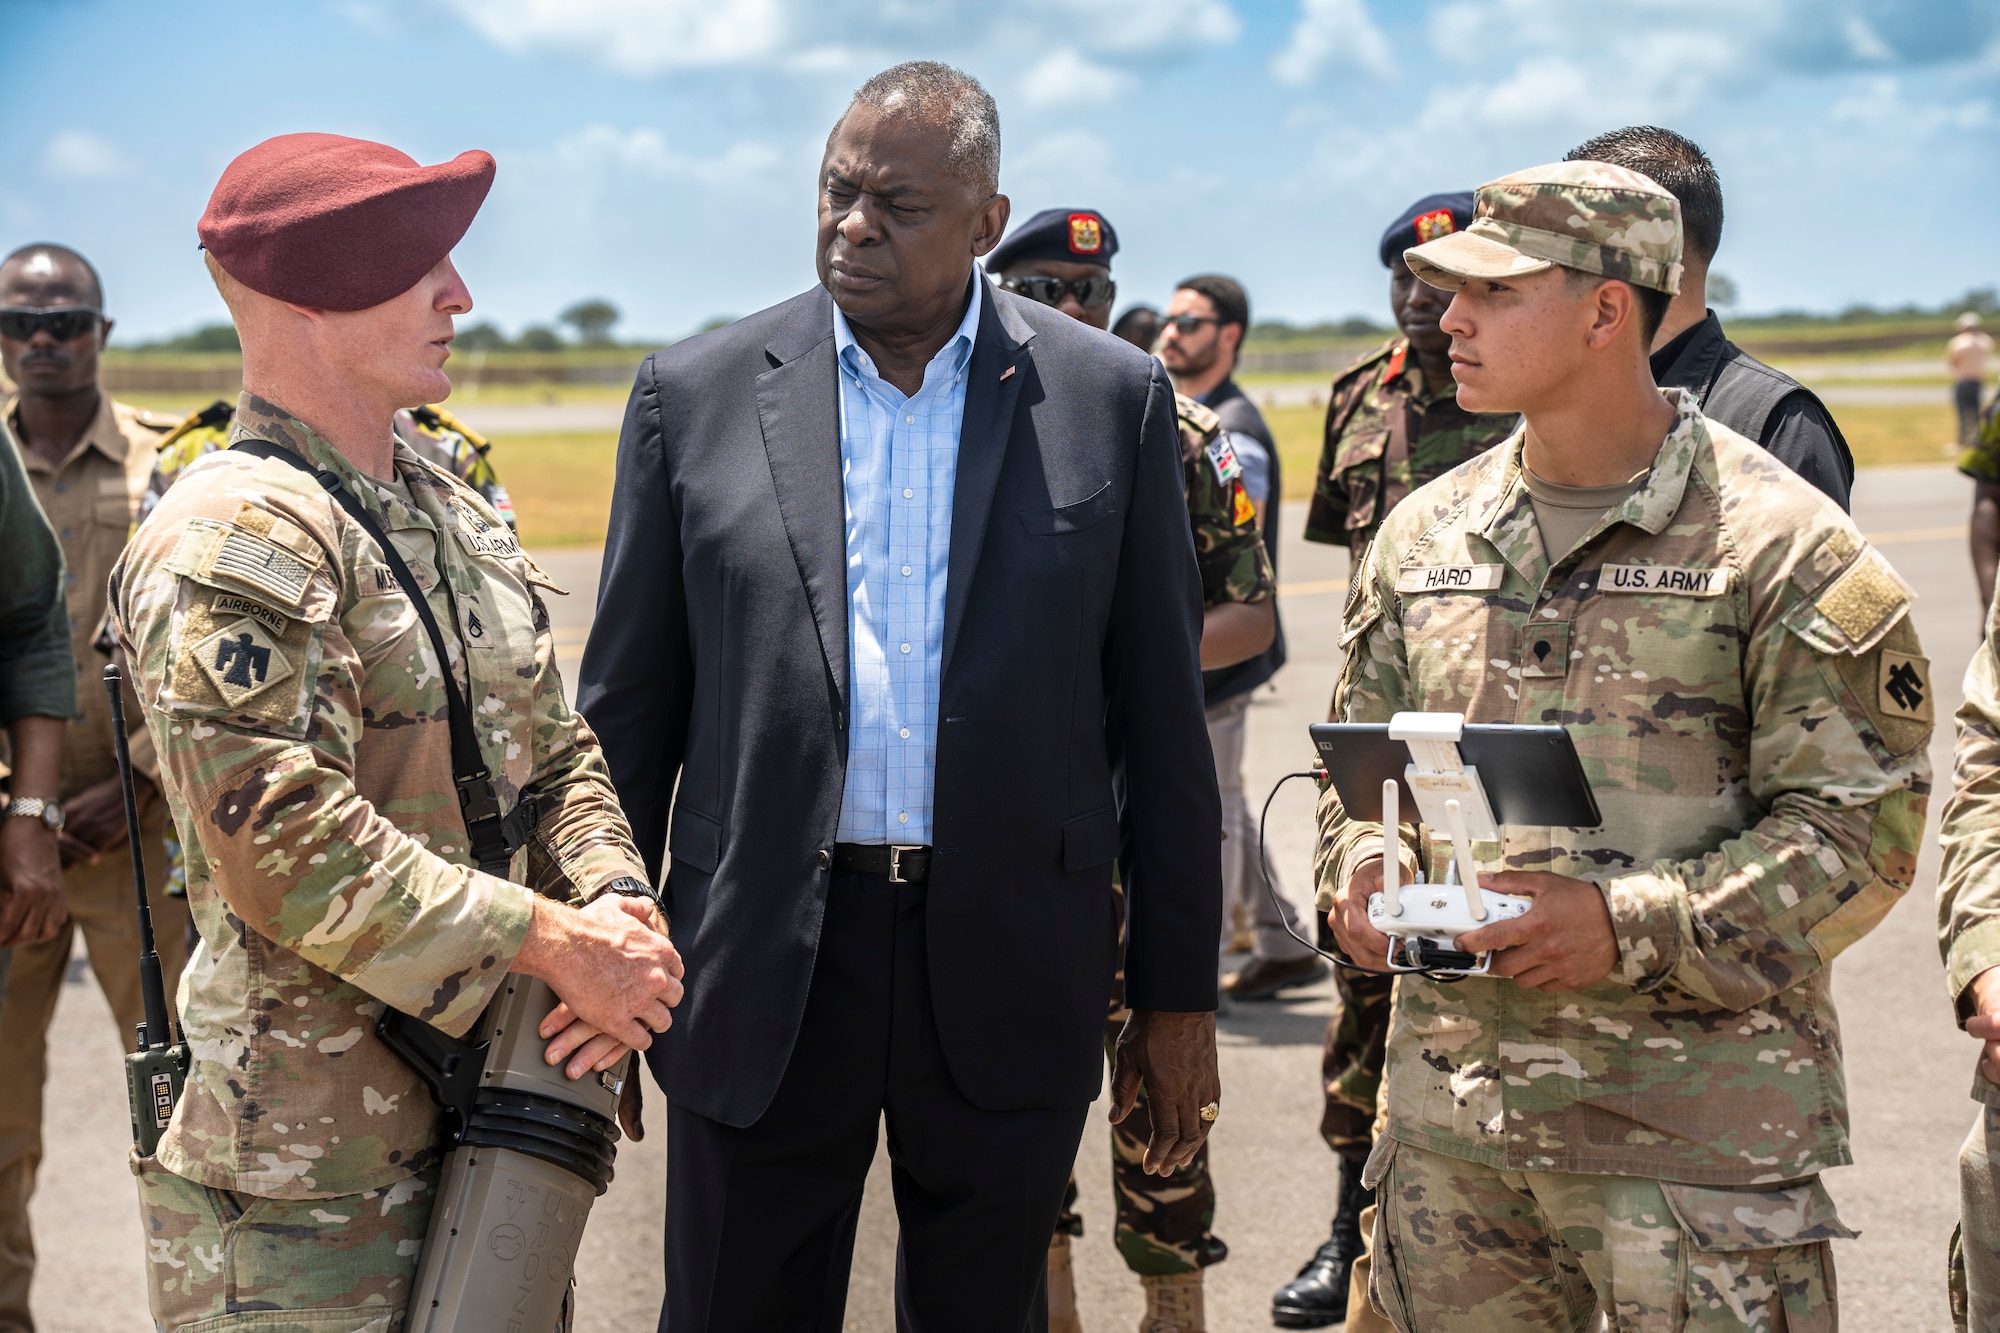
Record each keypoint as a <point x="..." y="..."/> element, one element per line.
<point x="1072" y="235"/>
<point x="339" y="224"/>
<point x="1589" y="216"/>
<point x="1430" y="217"/>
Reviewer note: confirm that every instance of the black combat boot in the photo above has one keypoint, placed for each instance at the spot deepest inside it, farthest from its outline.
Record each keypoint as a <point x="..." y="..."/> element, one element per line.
<point x="1317" y="1297"/>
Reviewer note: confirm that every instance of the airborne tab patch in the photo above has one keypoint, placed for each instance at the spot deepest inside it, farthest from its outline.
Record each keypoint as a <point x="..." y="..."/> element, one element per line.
<point x="234" y="604"/>
<point x="1678" y="581"/>
<point x="242" y="661"/>
<point x="1450" y="578"/>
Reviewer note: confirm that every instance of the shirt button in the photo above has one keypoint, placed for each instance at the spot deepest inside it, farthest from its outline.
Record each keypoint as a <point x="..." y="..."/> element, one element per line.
<point x="903" y="817"/>
<point x="906" y="647"/>
<point x="908" y="494"/>
<point x="904" y="733"/>
<point x="909" y="421"/>
<point x="906" y="571"/>
<point x="62" y="487"/>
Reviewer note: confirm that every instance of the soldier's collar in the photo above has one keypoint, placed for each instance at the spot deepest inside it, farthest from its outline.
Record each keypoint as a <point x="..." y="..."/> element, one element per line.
<point x="102" y="434"/>
<point x="260" y="419"/>
<point x="1658" y="499"/>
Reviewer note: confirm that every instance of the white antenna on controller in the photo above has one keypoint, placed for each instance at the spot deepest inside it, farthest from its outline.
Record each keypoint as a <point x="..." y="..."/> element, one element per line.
<point x="1392" y="861"/>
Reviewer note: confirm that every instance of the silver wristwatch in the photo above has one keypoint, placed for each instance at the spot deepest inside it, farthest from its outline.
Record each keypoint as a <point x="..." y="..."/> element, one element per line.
<point x="34" y="807"/>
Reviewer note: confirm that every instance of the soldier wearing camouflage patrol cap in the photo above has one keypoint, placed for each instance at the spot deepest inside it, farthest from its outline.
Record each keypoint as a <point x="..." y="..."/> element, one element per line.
<point x="1632" y="1111"/>
<point x="296" y="703"/>
<point x="1393" y="422"/>
<point x="1062" y="257"/>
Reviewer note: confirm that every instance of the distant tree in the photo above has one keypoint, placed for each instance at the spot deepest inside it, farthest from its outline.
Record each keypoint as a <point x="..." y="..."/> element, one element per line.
<point x="538" y="338"/>
<point x="484" y="336"/>
<point x="207" y="338"/>
<point x="1722" y="290"/>
<point x="593" y="321"/>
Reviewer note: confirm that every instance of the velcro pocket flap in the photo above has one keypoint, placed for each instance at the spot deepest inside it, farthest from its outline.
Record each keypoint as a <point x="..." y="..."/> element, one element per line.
<point x="1721" y="1220"/>
<point x="695" y="839"/>
<point x="1090" y="840"/>
<point x="1085" y="513"/>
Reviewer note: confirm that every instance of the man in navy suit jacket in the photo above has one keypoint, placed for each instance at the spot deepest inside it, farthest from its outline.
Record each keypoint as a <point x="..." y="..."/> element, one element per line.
<point x="897" y="652"/>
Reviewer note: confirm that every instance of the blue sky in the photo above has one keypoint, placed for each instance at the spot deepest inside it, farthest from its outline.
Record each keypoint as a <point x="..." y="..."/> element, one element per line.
<point x="661" y="153"/>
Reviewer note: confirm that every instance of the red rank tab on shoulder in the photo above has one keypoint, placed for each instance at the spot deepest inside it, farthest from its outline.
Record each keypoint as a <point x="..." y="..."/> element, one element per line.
<point x="1395" y="364"/>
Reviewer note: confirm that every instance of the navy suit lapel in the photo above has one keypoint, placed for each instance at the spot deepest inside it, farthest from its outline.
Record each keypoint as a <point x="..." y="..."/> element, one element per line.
<point x="798" y="405"/>
<point x="992" y="386"/>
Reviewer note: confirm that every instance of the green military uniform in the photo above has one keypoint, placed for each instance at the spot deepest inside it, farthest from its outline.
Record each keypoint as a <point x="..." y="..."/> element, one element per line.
<point x="300" y="720"/>
<point x="1969" y="937"/>
<point x="1740" y="675"/>
<point x="1388" y="431"/>
<point x="1164" y="1221"/>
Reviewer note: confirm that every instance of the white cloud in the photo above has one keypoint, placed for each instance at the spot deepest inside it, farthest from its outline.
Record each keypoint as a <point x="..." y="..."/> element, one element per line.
<point x="1330" y="30"/>
<point x="1068" y="78"/>
<point x="604" y="151"/>
<point x="80" y="155"/>
<point x="1137" y="25"/>
<point x="634" y="36"/>
<point x="1073" y="167"/>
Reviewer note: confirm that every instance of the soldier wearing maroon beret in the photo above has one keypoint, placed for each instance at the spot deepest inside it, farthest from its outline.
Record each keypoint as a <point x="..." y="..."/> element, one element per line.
<point x="294" y="695"/>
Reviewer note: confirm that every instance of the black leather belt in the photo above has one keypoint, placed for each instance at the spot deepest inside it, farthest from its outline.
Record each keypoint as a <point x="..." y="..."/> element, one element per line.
<point x="903" y="865"/>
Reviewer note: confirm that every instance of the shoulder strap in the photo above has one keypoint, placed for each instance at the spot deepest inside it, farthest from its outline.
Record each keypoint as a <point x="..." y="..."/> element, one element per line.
<point x="478" y="800"/>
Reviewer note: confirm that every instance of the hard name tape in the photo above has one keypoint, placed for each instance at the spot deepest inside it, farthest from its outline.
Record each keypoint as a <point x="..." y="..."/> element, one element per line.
<point x="1450" y="578"/>
<point x="1671" y="579"/>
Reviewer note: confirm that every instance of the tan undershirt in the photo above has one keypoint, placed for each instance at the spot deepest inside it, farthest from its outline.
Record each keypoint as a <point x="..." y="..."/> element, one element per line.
<point x="1565" y="513"/>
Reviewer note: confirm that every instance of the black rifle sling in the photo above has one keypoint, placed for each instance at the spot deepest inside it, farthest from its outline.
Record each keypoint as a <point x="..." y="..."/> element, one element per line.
<point x="478" y="800"/>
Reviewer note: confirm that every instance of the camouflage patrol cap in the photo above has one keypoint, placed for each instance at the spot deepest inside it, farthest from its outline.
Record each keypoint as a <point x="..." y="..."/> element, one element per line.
<point x="1590" y="216"/>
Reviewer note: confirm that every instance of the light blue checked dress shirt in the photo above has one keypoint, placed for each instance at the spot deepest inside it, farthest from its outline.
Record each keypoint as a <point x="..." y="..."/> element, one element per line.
<point x="898" y="463"/>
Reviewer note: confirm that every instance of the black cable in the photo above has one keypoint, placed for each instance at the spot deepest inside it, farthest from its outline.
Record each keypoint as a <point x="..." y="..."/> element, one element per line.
<point x="1271" y="891"/>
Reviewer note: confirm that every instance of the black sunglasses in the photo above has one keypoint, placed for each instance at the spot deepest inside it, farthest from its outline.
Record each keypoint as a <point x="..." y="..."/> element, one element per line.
<point x="63" y="322"/>
<point x="1189" y="323"/>
<point x="1090" y="293"/>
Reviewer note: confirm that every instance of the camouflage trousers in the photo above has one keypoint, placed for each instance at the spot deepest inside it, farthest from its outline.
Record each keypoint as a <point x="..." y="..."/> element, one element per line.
<point x="1163" y="1221"/>
<point x="221" y="1262"/>
<point x="1974" y="1272"/>
<point x="1350" y="1063"/>
<point x="1470" y="1248"/>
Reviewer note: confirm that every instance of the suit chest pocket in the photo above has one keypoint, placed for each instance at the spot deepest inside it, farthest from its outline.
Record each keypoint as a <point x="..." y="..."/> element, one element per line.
<point x="1077" y="516"/>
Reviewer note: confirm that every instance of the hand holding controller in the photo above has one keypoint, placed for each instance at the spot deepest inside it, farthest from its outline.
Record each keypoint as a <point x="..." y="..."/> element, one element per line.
<point x="1424" y="921"/>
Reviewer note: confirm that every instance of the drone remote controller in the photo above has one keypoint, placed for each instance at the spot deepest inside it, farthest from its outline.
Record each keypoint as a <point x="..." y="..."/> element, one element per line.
<point x="1423" y="921"/>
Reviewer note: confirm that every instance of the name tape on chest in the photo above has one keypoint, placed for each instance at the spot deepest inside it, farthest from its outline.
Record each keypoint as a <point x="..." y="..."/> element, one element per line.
<point x="1222" y="457"/>
<point x="1450" y="578"/>
<point x="479" y="537"/>
<point x="1674" y="580"/>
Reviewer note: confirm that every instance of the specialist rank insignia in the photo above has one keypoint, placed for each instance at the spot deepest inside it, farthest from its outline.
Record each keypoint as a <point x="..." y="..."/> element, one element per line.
<point x="1434" y="224"/>
<point x="1086" y="234"/>
<point x="243" y="660"/>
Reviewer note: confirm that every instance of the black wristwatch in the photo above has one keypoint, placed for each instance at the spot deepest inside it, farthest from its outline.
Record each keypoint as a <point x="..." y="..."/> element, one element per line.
<point x="628" y="887"/>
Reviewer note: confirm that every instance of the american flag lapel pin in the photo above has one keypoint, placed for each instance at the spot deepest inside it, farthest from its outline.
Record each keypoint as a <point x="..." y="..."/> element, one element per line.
<point x="1005" y="373"/>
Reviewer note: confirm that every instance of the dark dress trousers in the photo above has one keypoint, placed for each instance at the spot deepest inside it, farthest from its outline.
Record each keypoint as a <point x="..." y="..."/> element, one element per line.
<point x="968" y="1008"/>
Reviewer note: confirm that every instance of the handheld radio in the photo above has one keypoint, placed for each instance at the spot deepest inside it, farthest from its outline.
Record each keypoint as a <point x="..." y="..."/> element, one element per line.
<point x="156" y="1072"/>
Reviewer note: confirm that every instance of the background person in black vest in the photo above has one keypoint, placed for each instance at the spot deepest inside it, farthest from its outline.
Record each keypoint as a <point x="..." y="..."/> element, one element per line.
<point x="1204" y="328"/>
<point x="1690" y="351"/>
<point x="898" y="573"/>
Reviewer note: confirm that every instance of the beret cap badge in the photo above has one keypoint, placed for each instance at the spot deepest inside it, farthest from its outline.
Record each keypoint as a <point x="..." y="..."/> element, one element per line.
<point x="1086" y="233"/>
<point x="1430" y="226"/>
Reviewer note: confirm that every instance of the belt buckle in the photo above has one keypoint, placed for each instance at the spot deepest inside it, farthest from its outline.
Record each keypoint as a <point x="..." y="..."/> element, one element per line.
<point x="896" y="862"/>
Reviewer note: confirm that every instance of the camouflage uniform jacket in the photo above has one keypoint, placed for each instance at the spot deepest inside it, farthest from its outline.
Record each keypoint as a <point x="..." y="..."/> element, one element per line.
<point x="1980" y="460"/>
<point x="1387" y="433"/>
<point x="295" y="702"/>
<point x="1228" y="545"/>
<point x="1739" y="672"/>
<point x="1969" y="878"/>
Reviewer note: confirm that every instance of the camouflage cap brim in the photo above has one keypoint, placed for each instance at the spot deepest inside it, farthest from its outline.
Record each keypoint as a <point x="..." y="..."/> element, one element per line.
<point x="1449" y="261"/>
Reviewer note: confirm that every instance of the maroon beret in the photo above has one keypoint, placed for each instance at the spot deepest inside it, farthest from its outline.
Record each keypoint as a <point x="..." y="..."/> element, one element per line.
<point x="339" y="224"/>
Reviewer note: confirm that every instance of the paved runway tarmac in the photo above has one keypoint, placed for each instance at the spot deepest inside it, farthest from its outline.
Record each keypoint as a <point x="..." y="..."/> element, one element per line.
<point x="1908" y="1068"/>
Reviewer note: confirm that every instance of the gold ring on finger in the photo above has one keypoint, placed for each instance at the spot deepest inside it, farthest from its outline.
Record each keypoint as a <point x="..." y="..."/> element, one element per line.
<point x="1211" y="1111"/>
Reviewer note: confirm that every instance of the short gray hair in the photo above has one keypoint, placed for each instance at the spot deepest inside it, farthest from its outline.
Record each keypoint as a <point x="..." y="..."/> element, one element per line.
<point x="948" y="97"/>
